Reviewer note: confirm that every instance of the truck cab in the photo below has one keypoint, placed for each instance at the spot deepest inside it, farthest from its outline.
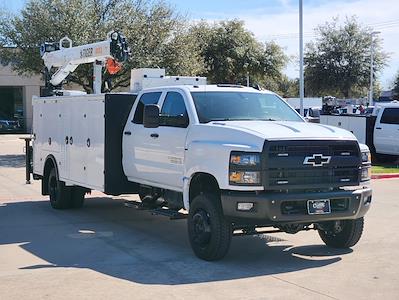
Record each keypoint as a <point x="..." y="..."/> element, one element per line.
<point x="242" y="158"/>
<point x="386" y="129"/>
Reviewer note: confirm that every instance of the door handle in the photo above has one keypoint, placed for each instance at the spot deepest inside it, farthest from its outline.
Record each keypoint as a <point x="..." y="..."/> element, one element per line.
<point x="127" y="133"/>
<point x="154" y="135"/>
<point x="378" y="128"/>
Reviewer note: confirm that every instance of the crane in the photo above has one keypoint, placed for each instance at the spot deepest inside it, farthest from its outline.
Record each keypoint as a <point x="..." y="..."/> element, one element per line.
<point x="61" y="59"/>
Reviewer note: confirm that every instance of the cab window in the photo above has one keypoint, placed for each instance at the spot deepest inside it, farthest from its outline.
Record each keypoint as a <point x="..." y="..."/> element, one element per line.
<point x="145" y="99"/>
<point x="174" y="112"/>
<point x="390" y="116"/>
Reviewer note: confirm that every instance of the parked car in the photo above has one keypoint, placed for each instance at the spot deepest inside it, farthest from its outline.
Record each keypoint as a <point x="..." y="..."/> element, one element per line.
<point x="9" y="124"/>
<point x="379" y="130"/>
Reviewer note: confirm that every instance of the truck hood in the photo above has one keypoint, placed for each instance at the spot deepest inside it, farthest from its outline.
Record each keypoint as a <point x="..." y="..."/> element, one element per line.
<point x="271" y="130"/>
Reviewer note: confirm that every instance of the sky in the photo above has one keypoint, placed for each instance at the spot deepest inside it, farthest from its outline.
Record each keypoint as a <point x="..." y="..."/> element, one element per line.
<point x="278" y="20"/>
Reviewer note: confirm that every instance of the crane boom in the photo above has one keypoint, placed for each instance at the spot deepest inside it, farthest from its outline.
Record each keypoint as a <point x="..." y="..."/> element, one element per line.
<point x="65" y="59"/>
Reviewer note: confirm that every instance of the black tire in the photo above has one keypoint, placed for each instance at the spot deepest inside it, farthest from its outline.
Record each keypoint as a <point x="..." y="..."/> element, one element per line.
<point x="344" y="234"/>
<point x="60" y="195"/>
<point x="209" y="232"/>
<point x="77" y="197"/>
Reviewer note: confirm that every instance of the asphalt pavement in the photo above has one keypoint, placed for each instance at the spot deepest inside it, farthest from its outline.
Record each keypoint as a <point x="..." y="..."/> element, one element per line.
<point x="109" y="251"/>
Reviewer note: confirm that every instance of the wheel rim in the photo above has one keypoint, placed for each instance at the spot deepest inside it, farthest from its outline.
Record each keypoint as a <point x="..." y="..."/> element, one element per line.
<point x="338" y="227"/>
<point x="201" y="228"/>
<point x="53" y="188"/>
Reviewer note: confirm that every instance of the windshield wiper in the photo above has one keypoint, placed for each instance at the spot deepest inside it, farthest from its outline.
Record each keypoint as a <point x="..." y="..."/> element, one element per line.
<point x="269" y="119"/>
<point x="236" y="119"/>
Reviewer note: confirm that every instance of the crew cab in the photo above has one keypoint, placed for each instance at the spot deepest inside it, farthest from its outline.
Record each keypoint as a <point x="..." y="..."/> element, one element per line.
<point x="232" y="159"/>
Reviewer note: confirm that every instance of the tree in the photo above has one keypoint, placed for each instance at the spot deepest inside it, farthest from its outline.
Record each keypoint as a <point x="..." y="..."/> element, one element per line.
<point x="230" y="53"/>
<point x="338" y="62"/>
<point x="285" y="87"/>
<point x="157" y="35"/>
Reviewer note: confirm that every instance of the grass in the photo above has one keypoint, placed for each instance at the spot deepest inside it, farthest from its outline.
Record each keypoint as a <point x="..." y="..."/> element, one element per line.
<point x="389" y="168"/>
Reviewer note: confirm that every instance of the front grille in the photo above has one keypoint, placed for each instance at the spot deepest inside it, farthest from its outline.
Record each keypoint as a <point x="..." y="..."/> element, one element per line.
<point x="286" y="167"/>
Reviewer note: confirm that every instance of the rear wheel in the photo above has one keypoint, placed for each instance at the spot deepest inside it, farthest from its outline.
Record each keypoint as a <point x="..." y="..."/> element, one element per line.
<point x="342" y="234"/>
<point x="77" y="197"/>
<point x="209" y="232"/>
<point x="60" y="195"/>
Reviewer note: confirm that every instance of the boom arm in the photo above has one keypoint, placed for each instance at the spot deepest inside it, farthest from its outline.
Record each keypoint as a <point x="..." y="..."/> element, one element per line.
<point x="66" y="59"/>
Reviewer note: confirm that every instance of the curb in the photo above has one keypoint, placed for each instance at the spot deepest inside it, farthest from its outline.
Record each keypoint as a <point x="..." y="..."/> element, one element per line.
<point x="385" y="176"/>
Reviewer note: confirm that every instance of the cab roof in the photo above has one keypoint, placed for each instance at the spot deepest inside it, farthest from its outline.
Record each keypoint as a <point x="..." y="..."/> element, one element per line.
<point x="211" y="88"/>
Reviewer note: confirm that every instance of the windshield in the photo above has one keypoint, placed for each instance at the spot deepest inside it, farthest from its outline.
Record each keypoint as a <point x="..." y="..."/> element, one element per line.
<point x="229" y="106"/>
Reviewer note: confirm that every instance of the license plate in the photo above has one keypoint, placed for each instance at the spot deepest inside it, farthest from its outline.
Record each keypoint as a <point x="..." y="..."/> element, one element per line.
<point x="319" y="207"/>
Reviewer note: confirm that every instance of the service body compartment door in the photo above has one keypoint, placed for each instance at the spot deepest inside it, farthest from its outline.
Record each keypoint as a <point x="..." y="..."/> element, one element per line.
<point x="85" y="148"/>
<point x="77" y="152"/>
<point x="95" y="124"/>
<point x="64" y="133"/>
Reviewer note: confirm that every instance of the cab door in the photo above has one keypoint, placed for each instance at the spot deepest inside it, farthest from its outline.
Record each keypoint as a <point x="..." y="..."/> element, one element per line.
<point x="386" y="131"/>
<point x="171" y="135"/>
<point x="140" y="147"/>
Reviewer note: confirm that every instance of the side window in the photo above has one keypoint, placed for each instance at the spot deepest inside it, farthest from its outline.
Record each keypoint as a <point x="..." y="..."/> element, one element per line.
<point x="174" y="111"/>
<point x="147" y="98"/>
<point x="390" y="116"/>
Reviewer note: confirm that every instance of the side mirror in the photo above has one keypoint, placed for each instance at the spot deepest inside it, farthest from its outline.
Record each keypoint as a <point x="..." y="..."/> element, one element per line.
<point x="151" y="116"/>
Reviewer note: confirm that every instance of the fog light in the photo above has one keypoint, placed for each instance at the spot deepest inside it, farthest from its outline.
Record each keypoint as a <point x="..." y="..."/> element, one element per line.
<point x="245" y="206"/>
<point x="367" y="200"/>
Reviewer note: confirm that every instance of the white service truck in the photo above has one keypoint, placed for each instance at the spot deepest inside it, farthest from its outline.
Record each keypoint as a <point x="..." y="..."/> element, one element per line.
<point x="235" y="158"/>
<point x="380" y="130"/>
<point x="232" y="160"/>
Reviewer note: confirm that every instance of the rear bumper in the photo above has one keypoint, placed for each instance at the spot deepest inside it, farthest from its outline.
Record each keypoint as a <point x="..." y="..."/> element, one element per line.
<point x="270" y="207"/>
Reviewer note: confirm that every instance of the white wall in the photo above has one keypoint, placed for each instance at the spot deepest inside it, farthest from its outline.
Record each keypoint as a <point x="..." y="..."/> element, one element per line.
<point x="307" y="102"/>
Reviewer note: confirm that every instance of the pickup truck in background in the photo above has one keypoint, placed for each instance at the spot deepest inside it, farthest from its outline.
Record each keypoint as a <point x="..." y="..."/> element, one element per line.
<point x="380" y="130"/>
<point x="231" y="159"/>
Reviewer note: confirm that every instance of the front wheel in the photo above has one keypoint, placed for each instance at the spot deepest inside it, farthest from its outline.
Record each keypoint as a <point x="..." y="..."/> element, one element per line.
<point x="342" y="234"/>
<point x="209" y="232"/>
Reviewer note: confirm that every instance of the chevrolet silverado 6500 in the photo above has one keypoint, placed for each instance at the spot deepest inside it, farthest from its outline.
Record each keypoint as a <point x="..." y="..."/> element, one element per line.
<point x="234" y="158"/>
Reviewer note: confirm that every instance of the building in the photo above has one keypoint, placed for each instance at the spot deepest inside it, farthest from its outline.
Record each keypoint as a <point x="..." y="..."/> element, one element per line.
<point x="16" y="93"/>
<point x="387" y="96"/>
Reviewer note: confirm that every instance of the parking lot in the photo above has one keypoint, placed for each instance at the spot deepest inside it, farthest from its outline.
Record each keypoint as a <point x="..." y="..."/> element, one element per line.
<point x="107" y="250"/>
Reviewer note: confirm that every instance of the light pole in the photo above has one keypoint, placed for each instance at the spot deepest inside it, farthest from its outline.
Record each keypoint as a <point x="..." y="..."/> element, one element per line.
<point x="301" y="79"/>
<point x="372" y="66"/>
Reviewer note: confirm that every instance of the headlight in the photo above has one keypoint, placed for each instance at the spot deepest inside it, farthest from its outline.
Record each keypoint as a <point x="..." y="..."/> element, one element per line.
<point x="366" y="166"/>
<point x="244" y="177"/>
<point x="366" y="157"/>
<point x="244" y="159"/>
<point x="365" y="174"/>
<point x="245" y="168"/>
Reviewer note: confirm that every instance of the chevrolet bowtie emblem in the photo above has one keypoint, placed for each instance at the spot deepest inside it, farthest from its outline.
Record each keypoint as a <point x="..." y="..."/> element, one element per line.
<point x="317" y="160"/>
